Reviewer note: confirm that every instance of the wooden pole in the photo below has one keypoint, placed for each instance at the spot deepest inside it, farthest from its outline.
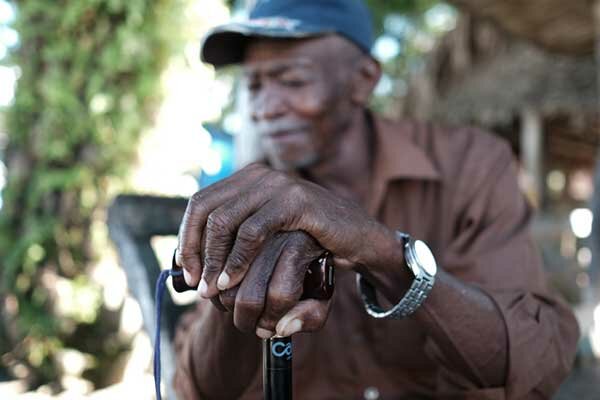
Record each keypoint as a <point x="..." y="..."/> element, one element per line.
<point x="532" y="153"/>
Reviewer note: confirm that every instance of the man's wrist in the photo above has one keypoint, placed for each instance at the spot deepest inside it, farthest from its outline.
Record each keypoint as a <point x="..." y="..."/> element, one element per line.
<point x="388" y="272"/>
<point x="421" y="263"/>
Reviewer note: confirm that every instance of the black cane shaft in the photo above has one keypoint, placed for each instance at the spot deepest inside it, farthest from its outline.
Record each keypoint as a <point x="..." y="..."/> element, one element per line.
<point x="277" y="368"/>
<point x="277" y="351"/>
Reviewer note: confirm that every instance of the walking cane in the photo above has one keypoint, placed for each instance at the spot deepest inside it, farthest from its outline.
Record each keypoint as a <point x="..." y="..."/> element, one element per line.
<point x="277" y="351"/>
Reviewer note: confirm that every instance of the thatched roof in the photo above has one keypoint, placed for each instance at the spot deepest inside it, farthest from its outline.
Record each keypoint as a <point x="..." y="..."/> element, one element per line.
<point x="519" y="77"/>
<point x="482" y="75"/>
<point x="558" y="25"/>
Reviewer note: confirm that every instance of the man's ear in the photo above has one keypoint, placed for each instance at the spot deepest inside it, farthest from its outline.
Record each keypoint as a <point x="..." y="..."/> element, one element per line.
<point x="366" y="76"/>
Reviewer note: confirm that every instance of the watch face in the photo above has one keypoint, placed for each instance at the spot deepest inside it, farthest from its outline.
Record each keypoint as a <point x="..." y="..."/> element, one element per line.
<point x="425" y="257"/>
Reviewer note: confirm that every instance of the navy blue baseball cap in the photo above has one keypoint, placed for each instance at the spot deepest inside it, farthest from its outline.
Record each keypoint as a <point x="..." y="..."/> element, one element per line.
<point x="226" y="44"/>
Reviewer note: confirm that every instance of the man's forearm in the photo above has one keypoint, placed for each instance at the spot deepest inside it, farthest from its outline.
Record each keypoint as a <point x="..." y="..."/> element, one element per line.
<point x="222" y="361"/>
<point x="463" y="322"/>
<point x="468" y="328"/>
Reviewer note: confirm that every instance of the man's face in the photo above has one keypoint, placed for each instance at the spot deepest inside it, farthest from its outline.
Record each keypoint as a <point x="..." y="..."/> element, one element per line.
<point x="298" y="93"/>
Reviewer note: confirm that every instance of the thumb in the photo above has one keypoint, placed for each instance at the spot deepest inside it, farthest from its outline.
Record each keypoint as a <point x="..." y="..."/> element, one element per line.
<point x="306" y="316"/>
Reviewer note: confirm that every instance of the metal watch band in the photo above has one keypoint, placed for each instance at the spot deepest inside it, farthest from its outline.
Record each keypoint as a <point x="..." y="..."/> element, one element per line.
<point x="413" y="298"/>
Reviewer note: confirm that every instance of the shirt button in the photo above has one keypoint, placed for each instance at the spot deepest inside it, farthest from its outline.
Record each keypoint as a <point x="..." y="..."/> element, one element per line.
<point x="371" y="393"/>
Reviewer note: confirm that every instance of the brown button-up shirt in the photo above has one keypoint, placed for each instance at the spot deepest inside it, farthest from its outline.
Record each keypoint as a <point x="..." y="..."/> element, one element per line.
<point x="457" y="190"/>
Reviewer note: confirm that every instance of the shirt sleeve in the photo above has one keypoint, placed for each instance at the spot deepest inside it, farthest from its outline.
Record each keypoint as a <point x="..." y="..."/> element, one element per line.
<point x="492" y="248"/>
<point x="208" y="348"/>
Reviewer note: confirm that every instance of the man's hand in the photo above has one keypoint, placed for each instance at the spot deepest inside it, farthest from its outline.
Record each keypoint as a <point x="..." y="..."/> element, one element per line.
<point x="227" y="224"/>
<point x="268" y="299"/>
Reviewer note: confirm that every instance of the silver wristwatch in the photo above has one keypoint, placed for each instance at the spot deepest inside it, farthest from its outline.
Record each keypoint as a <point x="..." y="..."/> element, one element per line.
<point x="420" y="261"/>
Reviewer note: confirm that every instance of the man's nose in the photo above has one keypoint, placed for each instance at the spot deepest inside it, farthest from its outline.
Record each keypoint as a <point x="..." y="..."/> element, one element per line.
<point x="267" y="105"/>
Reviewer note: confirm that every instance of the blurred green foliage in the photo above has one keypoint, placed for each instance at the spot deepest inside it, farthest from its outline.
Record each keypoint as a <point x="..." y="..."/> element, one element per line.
<point x="89" y="83"/>
<point x="412" y="27"/>
<point x="412" y="9"/>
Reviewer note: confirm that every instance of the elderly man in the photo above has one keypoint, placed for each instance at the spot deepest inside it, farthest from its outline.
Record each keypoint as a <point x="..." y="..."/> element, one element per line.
<point x="478" y="324"/>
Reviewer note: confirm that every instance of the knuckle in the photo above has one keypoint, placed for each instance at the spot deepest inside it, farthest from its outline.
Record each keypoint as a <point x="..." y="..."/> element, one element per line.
<point x="215" y="256"/>
<point x="211" y="264"/>
<point x="196" y="198"/>
<point x="278" y="178"/>
<point x="296" y="195"/>
<point x="296" y="190"/>
<point x="194" y="214"/>
<point x="278" y="302"/>
<point x="250" y="306"/>
<point x="188" y="259"/>
<point x="217" y="222"/>
<point x="236" y="262"/>
<point x="197" y="201"/>
<point x="249" y="234"/>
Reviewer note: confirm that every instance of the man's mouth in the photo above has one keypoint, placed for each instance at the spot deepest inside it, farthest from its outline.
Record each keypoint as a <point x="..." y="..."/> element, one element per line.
<point x="283" y="135"/>
<point x="285" y="132"/>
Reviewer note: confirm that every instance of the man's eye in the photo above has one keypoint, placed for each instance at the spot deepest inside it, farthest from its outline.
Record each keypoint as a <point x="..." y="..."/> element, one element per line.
<point x="293" y="83"/>
<point x="253" y="86"/>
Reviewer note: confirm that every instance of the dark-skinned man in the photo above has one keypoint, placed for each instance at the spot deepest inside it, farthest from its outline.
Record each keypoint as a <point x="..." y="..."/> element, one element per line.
<point x="338" y="179"/>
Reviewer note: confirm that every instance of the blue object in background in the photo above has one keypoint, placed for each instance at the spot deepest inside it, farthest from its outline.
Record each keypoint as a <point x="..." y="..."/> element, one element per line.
<point x="221" y="145"/>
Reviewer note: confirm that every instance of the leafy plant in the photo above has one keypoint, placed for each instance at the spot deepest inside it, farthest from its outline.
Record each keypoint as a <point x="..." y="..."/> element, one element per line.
<point x="89" y="83"/>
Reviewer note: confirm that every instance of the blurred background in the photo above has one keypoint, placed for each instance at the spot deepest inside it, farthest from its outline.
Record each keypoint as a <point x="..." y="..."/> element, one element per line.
<point x="104" y="97"/>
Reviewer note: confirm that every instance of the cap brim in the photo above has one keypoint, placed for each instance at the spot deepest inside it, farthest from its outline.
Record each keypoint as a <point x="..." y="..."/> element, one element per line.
<point x="226" y="44"/>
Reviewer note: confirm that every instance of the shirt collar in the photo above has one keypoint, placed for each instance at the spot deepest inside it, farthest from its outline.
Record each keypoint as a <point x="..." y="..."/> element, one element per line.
<point x="397" y="156"/>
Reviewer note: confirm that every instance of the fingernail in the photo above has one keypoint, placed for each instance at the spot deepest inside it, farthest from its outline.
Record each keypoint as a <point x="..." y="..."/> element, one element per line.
<point x="223" y="281"/>
<point x="282" y="323"/>
<point x="203" y="288"/>
<point x="187" y="277"/>
<point x="290" y="328"/>
<point x="264" y="333"/>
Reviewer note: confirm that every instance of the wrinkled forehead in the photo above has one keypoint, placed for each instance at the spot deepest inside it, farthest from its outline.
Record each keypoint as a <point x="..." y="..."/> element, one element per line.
<point x="308" y="53"/>
<point x="264" y="51"/>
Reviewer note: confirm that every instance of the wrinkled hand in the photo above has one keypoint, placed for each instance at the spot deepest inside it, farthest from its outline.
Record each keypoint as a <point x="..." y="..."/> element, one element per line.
<point x="227" y="227"/>
<point x="268" y="299"/>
